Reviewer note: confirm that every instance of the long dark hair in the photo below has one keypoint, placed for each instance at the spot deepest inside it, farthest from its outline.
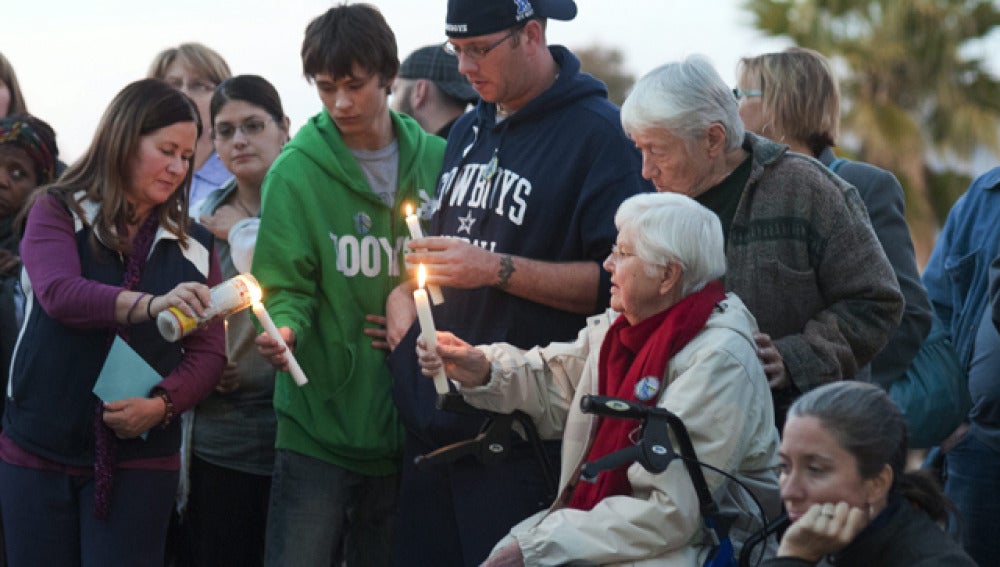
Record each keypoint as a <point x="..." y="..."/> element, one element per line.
<point x="868" y="425"/>
<point x="103" y="172"/>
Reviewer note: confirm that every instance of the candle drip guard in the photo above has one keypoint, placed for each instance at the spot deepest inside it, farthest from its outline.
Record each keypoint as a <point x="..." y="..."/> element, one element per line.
<point x="494" y="441"/>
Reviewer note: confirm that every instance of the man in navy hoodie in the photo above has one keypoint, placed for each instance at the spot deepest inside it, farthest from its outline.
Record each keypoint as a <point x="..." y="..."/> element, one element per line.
<point x="527" y="196"/>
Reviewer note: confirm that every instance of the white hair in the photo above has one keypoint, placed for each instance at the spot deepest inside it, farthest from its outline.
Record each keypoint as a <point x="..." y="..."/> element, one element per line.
<point x="684" y="97"/>
<point x="669" y="227"/>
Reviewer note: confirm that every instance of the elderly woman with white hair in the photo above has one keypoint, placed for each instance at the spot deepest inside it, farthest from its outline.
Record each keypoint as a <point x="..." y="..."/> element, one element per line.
<point x="672" y="338"/>
<point x="799" y="245"/>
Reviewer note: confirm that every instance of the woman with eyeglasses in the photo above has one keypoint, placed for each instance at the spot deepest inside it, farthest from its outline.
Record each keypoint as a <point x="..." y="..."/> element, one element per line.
<point x="672" y="338"/>
<point x="233" y="429"/>
<point x="196" y="70"/>
<point x="792" y="97"/>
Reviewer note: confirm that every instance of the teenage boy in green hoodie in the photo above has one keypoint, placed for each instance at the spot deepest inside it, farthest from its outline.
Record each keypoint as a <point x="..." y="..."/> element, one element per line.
<point x="329" y="251"/>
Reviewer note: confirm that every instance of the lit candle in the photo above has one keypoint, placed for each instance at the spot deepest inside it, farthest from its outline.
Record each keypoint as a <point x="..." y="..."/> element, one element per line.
<point x="265" y="320"/>
<point x="413" y="223"/>
<point x="427" y="329"/>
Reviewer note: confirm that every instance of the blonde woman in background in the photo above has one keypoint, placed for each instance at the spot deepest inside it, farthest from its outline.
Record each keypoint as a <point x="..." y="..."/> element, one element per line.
<point x="196" y="70"/>
<point x="792" y="97"/>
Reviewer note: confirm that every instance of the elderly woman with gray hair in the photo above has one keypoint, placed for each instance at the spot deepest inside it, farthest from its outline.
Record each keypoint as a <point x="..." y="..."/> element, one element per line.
<point x="799" y="245"/>
<point x="672" y="338"/>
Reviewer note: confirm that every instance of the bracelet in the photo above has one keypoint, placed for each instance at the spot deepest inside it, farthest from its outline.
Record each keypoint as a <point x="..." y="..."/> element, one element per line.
<point x="169" y="404"/>
<point x="128" y="316"/>
<point x="149" y="307"/>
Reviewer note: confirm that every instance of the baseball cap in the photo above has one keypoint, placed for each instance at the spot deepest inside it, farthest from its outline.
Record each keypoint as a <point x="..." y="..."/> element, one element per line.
<point x="470" y="18"/>
<point x="433" y="63"/>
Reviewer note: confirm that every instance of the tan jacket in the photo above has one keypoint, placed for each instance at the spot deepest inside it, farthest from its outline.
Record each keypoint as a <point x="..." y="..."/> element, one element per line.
<point x="716" y="385"/>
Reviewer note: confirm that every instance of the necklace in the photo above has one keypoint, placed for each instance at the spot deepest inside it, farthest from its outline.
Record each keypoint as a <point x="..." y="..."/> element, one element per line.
<point x="246" y="209"/>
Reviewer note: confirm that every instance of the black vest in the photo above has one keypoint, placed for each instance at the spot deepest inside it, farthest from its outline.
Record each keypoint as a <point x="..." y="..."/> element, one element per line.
<point x="51" y="409"/>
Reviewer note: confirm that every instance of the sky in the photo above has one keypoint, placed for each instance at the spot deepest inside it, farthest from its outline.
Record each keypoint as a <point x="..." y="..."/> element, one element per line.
<point x="71" y="58"/>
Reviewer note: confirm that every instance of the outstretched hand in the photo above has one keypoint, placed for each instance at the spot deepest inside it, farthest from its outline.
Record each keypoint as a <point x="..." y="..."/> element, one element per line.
<point x="461" y="361"/>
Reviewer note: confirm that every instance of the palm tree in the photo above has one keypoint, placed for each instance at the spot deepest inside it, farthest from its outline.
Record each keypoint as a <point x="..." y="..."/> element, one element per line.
<point x="608" y="65"/>
<point x="908" y="89"/>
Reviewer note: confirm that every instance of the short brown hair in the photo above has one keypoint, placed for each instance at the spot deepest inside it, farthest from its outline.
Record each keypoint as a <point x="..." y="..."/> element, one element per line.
<point x="801" y="99"/>
<point x="349" y="34"/>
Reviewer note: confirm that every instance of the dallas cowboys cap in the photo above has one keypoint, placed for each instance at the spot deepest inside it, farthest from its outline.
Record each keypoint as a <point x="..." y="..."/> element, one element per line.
<point x="470" y="18"/>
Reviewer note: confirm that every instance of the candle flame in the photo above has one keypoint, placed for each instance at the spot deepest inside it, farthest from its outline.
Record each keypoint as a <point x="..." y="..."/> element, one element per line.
<point x="255" y="292"/>
<point x="409" y="209"/>
<point x="421" y="275"/>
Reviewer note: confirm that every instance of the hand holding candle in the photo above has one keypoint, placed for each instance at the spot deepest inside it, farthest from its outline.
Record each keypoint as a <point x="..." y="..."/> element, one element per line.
<point x="265" y="320"/>
<point x="427" y="329"/>
<point x="413" y="223"/>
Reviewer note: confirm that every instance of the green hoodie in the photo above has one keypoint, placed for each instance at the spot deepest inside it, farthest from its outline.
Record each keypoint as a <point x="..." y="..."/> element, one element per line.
<point x="329" y="251"/>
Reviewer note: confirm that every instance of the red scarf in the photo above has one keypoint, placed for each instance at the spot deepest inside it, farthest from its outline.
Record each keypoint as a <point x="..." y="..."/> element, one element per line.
<point x="629" y="354"/>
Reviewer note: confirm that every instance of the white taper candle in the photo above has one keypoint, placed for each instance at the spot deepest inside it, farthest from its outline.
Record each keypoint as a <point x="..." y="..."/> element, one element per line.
<point x="413" y="223"/>
<point x="293" y="365"/>
<point x="427" y="329"/>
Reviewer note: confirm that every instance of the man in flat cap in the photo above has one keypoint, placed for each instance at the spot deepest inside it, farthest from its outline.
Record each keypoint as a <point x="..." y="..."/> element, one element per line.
<point x="530" y="183"/>
<point x="431" y="90"/>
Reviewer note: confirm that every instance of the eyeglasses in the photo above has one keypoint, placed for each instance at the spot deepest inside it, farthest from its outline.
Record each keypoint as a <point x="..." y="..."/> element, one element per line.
<point x="617" y="255"/>
<point x="196" y="88"/>
<point x="224" y="131"/>
<point x="741" y="94"/>
<point x="476" y="53"/>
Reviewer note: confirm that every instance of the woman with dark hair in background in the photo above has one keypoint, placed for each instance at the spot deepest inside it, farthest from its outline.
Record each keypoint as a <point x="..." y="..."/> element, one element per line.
<point x="11" y="99"/>
<point x="234" y="427"/>
<point x="196" y="70"/>
<point x="843" y="456"/>
<point x="28" y="158"/>
<point x="105" y="250"/>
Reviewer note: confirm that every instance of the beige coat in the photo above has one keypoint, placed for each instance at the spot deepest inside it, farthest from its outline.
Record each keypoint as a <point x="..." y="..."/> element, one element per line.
<point x="716" y="386"/>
